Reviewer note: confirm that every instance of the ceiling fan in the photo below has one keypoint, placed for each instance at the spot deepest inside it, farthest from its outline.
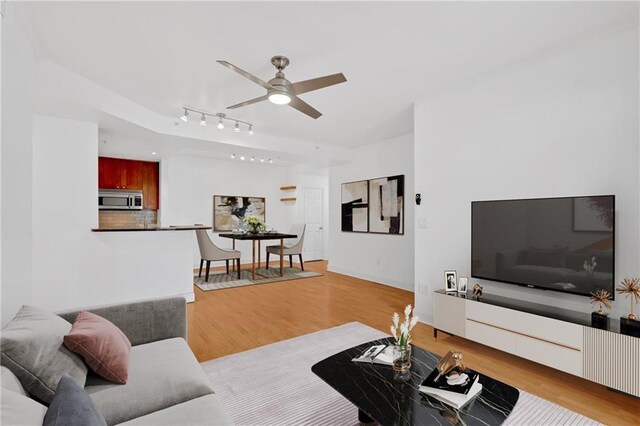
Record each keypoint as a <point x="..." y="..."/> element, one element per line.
<point x="281" y="91"/>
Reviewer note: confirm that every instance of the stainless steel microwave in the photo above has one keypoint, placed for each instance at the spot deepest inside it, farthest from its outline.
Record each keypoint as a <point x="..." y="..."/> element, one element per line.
<point x="116" y="199"/>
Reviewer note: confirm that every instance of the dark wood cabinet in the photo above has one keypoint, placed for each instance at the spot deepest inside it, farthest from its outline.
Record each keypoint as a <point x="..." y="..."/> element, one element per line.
<point x="118" y="173"/>
<point x="150" y="186"/>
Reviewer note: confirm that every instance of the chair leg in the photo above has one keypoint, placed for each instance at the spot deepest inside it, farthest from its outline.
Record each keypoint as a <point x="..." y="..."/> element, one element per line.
<point x="200" y="272"/>
<point x="238" y="268"/>
<point x="267" y="260"/>
<point x="290" y="261"/>
<point x="301" y="264"/>
<point x="207" y="273"/>
<point x="227" y="262"/>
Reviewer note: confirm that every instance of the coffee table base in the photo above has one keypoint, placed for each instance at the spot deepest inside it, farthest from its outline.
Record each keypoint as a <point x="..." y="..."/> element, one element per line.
<point x="363" y="418"/>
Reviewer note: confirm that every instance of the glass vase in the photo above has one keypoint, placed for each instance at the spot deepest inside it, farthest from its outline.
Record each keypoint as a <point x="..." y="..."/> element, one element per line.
<point x="402" y="363"/>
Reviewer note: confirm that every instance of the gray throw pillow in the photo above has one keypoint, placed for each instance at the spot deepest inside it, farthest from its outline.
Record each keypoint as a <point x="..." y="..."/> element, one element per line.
<point x="32" y="348"/>
<point x="72" y="406"/>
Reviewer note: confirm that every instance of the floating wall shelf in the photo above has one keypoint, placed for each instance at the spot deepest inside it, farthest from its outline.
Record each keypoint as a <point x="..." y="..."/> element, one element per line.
<point x="288" y="188"/>
<point x="288" y="199"/>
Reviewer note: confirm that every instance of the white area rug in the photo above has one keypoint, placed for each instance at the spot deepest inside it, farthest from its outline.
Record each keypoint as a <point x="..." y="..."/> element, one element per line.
<point x="274" y="385"/>
<point x="221" y="280"/>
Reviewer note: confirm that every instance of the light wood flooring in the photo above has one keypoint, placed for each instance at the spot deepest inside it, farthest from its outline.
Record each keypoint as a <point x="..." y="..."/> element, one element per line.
<point x="228" y="321"/>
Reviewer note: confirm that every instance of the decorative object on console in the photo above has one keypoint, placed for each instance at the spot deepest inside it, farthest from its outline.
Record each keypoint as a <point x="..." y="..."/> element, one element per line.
<point x="254" y="223"/>
<point x="477" y="292"/>
<point x="229" y="211"/>
<point x="630" y="287"/>
<point x="418" y="199"/>
<point x="462" y="285"/>
<point x="402" y="348"/>
<point x="600" y="319"/>
<point x="450" y="280"/>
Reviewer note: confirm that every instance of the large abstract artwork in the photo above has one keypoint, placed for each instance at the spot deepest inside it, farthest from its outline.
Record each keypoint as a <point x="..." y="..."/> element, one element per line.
<point x="355" y="199"/>
<point x="386" y="205"/>
<point x="229" y="211"/>
<point x="375" y="205"/>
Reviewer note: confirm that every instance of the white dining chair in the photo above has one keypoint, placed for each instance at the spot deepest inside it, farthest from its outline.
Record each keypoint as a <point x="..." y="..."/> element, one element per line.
<point x="209" y="252"/>
<point x="292" y="246"/>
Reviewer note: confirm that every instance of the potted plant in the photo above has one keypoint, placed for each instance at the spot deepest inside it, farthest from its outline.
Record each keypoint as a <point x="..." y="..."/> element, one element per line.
<point x="402" y="348"/>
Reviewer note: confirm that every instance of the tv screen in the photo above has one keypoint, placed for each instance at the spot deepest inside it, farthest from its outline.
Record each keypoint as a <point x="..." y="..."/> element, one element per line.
<point x="562" y="244"/>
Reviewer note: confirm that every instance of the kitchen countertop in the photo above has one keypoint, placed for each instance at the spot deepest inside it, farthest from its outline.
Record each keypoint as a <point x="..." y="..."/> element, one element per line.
<point x="151" y="228"/>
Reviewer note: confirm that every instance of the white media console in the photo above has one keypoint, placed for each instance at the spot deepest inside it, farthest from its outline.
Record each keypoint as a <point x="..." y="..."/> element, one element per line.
<point x="553" y="337"/>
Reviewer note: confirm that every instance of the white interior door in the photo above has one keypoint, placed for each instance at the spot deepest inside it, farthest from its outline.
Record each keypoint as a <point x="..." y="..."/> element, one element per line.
<point x="313" y="237"/>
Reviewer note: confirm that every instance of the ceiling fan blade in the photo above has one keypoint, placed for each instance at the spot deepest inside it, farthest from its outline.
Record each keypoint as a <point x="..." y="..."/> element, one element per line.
<point x="249" y="102"/>
<point x="245" y="74"/>
<point x="304" y="107"/>
<point x="318" y="83"/>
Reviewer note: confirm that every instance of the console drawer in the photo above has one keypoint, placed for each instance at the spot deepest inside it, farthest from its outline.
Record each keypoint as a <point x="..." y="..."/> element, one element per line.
<point x="560" y="357"/>
<point x="491" y="336"/>
<point x="489" y="314"/>
<point x="555" y="331"/>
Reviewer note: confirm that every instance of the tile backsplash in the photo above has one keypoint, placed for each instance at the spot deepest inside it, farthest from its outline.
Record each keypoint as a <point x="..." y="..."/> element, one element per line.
<point x="127" y="219"/>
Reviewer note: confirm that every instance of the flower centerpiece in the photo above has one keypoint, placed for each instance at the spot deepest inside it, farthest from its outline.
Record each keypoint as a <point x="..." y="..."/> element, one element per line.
<point x="401" y="332"/>
<point x="254" y="224"/>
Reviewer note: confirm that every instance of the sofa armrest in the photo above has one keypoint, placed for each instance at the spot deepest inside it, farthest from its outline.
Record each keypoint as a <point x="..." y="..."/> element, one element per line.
<point x="144" y="322"/>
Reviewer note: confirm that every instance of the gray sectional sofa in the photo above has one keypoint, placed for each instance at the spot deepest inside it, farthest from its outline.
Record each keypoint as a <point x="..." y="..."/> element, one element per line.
<point x="166" y="385"/>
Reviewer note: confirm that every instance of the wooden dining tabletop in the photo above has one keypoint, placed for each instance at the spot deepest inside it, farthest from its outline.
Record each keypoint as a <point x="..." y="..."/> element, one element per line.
<point x="260" y="236"/>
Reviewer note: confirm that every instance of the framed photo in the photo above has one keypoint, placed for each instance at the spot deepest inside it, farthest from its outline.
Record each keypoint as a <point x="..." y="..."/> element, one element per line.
<point x="450" y="280"/>
<point x="462" y="285"/>
<point x="230" y="210"/>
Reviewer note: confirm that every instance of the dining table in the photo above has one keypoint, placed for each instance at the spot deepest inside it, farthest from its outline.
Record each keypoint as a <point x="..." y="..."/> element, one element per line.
<point x="258" y="238"/>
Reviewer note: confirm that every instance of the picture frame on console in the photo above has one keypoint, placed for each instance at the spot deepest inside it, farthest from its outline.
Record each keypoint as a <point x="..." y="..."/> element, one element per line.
<point x="462" y="285"/>
<point x="450" y="281"/>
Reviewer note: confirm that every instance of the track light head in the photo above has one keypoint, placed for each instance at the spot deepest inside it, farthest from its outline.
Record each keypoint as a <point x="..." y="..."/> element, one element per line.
<point x="220" y="124"/>
<point x="250" y="130"/>
<point x="203" y="120"/>
<point x="185" y="117"/>
<point x="242" y="157"/>
<point x="236" y="128"/>
<point x="233" y="156"/>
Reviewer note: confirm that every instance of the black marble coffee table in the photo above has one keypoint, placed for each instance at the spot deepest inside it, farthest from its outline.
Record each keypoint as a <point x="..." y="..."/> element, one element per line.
<point x="371" y="388"/>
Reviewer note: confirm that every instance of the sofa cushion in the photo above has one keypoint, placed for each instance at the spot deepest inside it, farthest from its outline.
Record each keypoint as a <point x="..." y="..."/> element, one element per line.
<point x="10" y="382"/>
<point x="72" y="406"/>
<point x="161" y="374"/>
<point x="103" y="346"/>
<point x="32" y="349"/>
<point x="206" y="410"/>
<point x="17" y="409"/>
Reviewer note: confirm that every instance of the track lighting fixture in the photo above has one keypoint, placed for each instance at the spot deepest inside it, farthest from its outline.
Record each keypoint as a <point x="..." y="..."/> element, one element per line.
<point x="233" y="156"/>
<point x="262" y="160"/>
<point x="242" y="157"/>
<point x="253" y="158"/>
<point x="270" y="161"/>
<point x="221" y="118"/>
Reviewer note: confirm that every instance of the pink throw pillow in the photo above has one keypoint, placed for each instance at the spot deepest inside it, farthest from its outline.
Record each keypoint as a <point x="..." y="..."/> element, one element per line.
<point x="104" y="347"/>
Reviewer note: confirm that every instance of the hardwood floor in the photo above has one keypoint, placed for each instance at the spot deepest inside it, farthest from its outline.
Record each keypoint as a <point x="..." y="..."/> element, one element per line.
<point x="224" y="322"/>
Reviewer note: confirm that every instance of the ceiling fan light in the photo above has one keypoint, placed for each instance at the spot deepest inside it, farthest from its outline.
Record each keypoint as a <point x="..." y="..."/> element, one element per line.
<point x="279" y="98"/>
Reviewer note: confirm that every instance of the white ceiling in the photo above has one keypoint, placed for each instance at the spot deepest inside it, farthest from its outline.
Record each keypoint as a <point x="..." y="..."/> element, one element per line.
<point x="162" y="55"/>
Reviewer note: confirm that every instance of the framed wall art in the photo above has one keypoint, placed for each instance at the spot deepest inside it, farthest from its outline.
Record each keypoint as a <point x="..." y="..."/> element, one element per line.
<point x="230" y="210"/>
<point x="355" y="206"/>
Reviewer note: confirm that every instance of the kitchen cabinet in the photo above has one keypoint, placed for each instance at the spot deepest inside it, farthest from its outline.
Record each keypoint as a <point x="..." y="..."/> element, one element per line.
<point x="150" y="186"/>
<point x="119" y="173"/>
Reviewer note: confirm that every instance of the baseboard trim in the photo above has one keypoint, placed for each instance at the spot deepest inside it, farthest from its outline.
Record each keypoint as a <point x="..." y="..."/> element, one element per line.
<point x="369" y="277"/>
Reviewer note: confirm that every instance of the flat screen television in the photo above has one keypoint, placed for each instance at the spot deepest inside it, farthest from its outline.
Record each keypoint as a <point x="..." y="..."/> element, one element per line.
<point x="562" y="244"/>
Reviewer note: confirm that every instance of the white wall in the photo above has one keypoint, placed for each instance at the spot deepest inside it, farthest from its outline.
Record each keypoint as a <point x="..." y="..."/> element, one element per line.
<point x="387" y="259"/>
<point x="74" y="267"/>
<point x="18" y="79"/>
<point x="189" y="184"/>
<point x="564" y="125"/>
